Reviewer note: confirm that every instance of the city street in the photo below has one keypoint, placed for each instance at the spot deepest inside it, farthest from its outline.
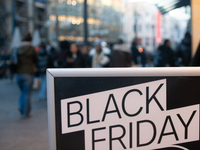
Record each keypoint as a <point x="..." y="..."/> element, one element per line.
<point x="17" y="133"/>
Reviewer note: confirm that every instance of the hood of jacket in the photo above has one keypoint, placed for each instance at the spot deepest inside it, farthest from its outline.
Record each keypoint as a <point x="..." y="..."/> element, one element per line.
<point x="24" y="49"/>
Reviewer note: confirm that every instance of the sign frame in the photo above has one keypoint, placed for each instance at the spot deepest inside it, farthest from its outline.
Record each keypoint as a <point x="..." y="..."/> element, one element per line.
<point x="104" y="72"/>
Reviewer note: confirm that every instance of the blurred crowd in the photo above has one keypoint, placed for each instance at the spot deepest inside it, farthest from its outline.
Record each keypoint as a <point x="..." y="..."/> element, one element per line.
<point x="29" y="63"/>
<point x="100" y="54"/>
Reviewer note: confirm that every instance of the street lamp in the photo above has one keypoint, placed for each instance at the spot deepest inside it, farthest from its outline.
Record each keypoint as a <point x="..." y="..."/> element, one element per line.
<point x="135" y="25"/>
<point x="85" y="24"/>
<point x="136" y="15"/>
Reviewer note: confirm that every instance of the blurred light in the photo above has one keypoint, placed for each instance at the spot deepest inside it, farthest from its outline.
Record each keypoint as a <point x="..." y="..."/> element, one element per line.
<point x="52" y="17"/>
<point x="69" y="2"/>
<point x="93" y="21"/>
<point x="78" y="22"/>
<point x="140" y="50"/>
<point x="93" y="38"/>
<point x="74" y="21"/>
<point x="106" y="2"/>
<point x="74" y="3"/>
<point x="79" y="38"/>
<point x="62" y="18"/>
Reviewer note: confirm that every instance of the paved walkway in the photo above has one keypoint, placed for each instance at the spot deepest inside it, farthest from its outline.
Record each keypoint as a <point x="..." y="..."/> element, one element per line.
<point x="17" y="133"/>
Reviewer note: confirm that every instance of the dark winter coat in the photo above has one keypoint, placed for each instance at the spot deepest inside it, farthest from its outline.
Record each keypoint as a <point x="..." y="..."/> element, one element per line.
<point x="165" y="56"/>
<point x="135" y="53"/>
<point x="184" y="51"/>
<point x="43" y="62"/>
<point x="79" y="61"/>
<point x="27" y="58"/>
<point x="121" y="56"/>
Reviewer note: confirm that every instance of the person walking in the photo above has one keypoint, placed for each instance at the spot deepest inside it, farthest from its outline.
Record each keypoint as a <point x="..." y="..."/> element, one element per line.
<point x="185" y="50"/>
<point x="85" y="53"/>
<point x="121" y="55"/>
<point x="42" y="65"/>
<point x="25" y="70"/>
<point x="165" y="55"/>
<point x="63" y="52"/>
<point x="75" y="58"/>
<point x="99" y="56"/>
<point x="134" y="50"/>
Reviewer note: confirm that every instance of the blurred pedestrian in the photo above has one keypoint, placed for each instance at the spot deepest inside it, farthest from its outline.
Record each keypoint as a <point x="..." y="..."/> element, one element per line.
<point x="135" y="52"/>
<point x="75" y="58"/>
<point x="27" y="58"/>
<point x="99" y="56"/>
<point x="88" y="59"/>
<point x="184" y="50"/>
<point x="165" y="55"/>
<point x="142" y="57"/>
<point x="52" y="55"/>
<point x="121" y="55"/>
<point x="42" y="65"/>
<point x="62" y="54"/>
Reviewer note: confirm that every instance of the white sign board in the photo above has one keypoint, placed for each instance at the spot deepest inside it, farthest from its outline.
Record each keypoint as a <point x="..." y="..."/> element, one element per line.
<point x="117" y="109"/>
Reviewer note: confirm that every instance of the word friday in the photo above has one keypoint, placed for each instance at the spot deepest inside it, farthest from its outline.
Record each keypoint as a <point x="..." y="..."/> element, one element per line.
<point x="133" y="117"/>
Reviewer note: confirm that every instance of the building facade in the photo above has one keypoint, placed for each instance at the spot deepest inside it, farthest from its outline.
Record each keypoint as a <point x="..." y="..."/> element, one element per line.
<point x="141" y="21"/>
<point x="107" y="20"/>
<point x="104" y="20"/>
<point x="30" y="15"/>
<point x="27" y="15"/>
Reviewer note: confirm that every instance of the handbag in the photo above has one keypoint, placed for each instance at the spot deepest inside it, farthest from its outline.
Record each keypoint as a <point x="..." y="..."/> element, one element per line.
<point x="36" y="83"/>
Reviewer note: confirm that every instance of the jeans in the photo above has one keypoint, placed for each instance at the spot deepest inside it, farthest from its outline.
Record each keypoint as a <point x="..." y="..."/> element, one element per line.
<point x="43" y="87"/>
<point x="25" y="82"/>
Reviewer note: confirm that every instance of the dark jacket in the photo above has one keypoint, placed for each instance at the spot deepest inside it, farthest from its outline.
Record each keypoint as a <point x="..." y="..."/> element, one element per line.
<point x="61" y="57"/>
<point x="27" y="58"/>
<point x="135" y="53"/>
<point x="121" y="56"/>
<point x="43" y="62"/>
<point x="165" y="56"/>
<point x="184" y="51"/>
<point x="62" y="54"/>
<point x="79" y="61"/>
